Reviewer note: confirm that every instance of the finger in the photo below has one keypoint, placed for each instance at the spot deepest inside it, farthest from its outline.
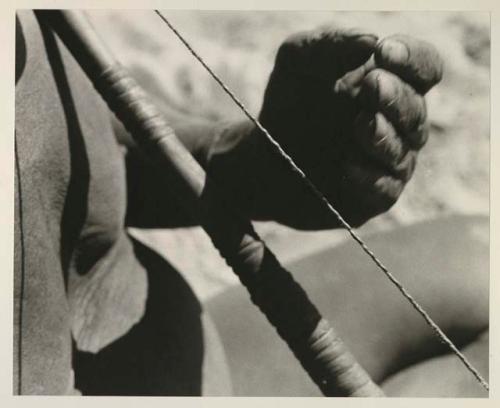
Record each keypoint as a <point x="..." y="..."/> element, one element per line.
<point x="378" y="138"/>
<point x="406" y="166"/>
<point x="380" y="143"/>
<point x="415" y="61"/>
<point x="384" y="92"/>
<point x="350" y="83"/>
<point x="326" y="52"/>
<point x="418" y="138"/>
<point x="371" y="185"/>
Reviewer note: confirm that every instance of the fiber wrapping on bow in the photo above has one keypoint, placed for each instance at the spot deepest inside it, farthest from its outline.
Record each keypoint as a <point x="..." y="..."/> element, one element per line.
<point x="271" y="287"/>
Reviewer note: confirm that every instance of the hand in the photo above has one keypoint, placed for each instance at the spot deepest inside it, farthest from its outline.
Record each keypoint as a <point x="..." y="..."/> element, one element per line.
<point x="350" y="111"/>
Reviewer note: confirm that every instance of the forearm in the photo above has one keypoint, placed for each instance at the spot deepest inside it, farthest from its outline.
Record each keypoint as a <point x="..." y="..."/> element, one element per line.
<point x="238" y="158"/>
<point x="224" y="149"/>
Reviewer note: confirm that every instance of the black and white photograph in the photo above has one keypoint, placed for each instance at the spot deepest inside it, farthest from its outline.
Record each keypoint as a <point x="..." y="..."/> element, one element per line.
<point x="251" y="203"/>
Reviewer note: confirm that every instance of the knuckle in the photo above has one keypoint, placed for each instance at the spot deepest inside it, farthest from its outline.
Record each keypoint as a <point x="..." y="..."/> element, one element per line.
<point x="369" y="93"/>
<point x="370" y="81"/>
<point x="399" y="102"/>
<point x="388" y="189"/>
<point x="387" y="145"/>
<point x="413" y="114"/>
<point x="381" y="196"/>
<point x="380" y="89"/>
<point x="391" y="51"/>
<point x="419" y="137"/>
<point x="384" y="132"/>
<point x="289" y="50"/>
<point x="378" y="138"/>
<point x="405" y="168"/>
<point x="414" y="60"/>
<point x="371" y="193"/>
<point x="389" y="88"/>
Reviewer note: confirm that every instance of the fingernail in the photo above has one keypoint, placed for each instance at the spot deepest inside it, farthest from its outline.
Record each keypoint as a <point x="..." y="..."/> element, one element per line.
<point x="394" y="51"/>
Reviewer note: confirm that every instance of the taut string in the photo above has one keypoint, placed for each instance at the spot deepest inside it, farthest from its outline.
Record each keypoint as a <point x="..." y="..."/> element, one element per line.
<point x="316" y="192"/>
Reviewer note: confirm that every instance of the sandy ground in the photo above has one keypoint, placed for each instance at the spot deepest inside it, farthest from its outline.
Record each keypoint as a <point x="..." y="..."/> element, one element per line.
<point x="453" y="171"/>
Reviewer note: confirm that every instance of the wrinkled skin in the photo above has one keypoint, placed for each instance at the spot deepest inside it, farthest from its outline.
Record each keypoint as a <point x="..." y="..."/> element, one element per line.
<point x="360" y="147"/>
<point x="93" y="301"/>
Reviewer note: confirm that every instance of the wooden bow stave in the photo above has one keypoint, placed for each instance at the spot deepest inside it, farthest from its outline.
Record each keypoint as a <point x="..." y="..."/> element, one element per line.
<point x="271" y="287"/>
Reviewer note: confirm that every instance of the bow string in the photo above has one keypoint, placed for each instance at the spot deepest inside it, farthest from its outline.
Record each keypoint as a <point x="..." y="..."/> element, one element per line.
<point x="280" y="152"/>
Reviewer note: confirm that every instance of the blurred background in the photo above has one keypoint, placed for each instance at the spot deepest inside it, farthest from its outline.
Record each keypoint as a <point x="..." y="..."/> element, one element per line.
<point x="453" y="171"/>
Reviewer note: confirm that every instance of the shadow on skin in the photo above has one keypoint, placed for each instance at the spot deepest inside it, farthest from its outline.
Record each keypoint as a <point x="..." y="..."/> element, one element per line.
<point x="162" y="354"/>
<point x="443" y="264"/>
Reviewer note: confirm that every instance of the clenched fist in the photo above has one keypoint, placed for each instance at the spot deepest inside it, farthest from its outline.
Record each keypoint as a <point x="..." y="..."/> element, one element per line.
<point x="350" y="110"/>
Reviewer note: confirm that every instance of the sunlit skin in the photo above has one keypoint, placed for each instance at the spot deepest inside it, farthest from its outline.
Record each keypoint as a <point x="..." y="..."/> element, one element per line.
<point x="82" y="182"/>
